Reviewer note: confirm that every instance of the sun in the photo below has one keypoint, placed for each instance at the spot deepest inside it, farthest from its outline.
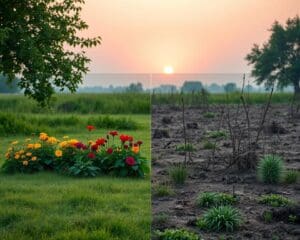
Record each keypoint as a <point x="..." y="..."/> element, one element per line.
<point x="168" y="70"/>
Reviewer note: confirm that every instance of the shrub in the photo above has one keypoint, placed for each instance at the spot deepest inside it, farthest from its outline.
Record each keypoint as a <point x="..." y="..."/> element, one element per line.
<point x="270" y="169"/>
<point x="217" y="134"/>
<point x="75" y="158"/>
<point x="222" y="218"/>
<point x="188" y="148"/>
<point x="209" y="145"/>
<point x="291" y="177"/>
<point x="178" y="173"/>
<point x="177" y="234"/>
<point x="209" y="115"/>
<point x="213" y="199"/>
<point x="162" y="190"/>
<point x="275" y="200"/>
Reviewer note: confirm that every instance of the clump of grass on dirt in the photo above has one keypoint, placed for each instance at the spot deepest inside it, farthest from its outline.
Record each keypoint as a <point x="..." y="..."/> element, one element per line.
<point x="185" y="148"/>
<point x="291" y="176"/>
<point x="222" y="218"/>
<point x="162" y="190"/>
<point x="217" y="134"/>
<point x="178" y="173"/>
<point x="213" y="199"/>
<point x="267" y="216"/>
<point x="270" y="169"/>
<point x="160" y="218"/>
<point x="209" y="115"/>
<point x="177" y="234"/>
<point x="275" y="200"/>
<point x="209" y="145"/>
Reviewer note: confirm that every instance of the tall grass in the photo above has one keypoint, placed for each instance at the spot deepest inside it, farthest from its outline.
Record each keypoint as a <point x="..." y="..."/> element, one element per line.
<point x="219" y="98"/>
<point x="104" y="103"/>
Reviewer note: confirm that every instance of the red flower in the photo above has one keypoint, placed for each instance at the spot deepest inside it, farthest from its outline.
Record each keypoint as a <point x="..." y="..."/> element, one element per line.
<point x="130" y="161"/>
<point x="94" y="147"/>
<point x="101" y="141"/>
<point x="90" y="127"/>
<point x="125" y="138"/>
<point x="139" y="143"/>
<point x="109" y="150"/>
<point x="91" y="155"/>
<point x="113" y="133"/>
<point x="80" y="145"/>
<point x="130" y="139"/>
<point x="126" y="146"/>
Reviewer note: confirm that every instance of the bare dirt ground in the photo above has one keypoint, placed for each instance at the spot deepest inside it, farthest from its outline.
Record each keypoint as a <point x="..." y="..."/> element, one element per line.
<point x="180" y="210"/>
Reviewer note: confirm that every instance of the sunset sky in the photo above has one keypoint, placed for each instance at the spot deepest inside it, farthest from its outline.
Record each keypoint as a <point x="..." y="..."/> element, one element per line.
<point x="191" y="36"/>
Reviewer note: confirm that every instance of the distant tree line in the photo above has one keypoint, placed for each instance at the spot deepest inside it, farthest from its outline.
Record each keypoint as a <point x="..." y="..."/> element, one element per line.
<point x="9" y="87"/>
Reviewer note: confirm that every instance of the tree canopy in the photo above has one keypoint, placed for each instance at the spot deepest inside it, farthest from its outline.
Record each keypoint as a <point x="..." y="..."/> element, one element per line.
<point x="37" y="43"/>
<point x="191" y="86"/>
<point x="277" y="62"/>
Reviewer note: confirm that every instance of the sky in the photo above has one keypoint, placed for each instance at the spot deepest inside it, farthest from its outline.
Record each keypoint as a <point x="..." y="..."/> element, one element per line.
<point x="191" y="36"/>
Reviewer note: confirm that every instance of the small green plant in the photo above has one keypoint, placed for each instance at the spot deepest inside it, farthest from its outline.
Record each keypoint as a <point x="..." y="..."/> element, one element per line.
<point x="177" y="234"/>
<point x="209" y="115"/>
<point x="270" y="169"/>
<point x="160" y="218"/>
<point x="188" y="148"/>
<point x="209" y="145"/>
<point x="292" y="218"/>
<point x="275" y="200"/>
<point x="162" y="190"/>
<point x="178" y="173"/>
<point x="222" y="218"/>
<point x="217" y="134"/>
<point x="267" y="216"/>
<point x="291" y="177"/>
<point x="213" y="199"/>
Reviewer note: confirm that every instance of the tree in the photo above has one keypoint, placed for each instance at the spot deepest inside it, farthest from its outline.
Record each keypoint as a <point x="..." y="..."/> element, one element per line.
<point x="135" y="88"/>
<point x="37" y="41"/>
<point x="230" y="87"/>
<point x="11" y="87"/>
<point x="277" y="62"/>
<point x="191" y="86"/>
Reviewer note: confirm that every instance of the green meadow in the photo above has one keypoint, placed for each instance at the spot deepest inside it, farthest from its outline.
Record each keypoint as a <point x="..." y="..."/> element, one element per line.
<point x="51" y="206"/>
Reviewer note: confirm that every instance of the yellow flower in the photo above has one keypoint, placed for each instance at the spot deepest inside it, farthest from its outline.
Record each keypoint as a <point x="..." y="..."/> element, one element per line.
<point x="43" y="136"/>
<point x="65" y="137"/>
<point x="29" y="154"/>
<point x="63" y="144"/>
<point x="25" y="163"/>
<point x="9" y="149"/>
<point x="33" y="158"/>
<point x="21" y="151"/>
<point x="52" y="140"/>
<point x="37" y="145"/>
<point x="23" y="156"/>
<point x="72" y="142"/>
<point x="7" y="155"/>
<point x="136" y="149"/>
<point x="14" y="143"/>
<point x="28" y="140"/>
<point x="58" y="153"/>
<point x="17" y="156"/>
<point x="30" y="146"/>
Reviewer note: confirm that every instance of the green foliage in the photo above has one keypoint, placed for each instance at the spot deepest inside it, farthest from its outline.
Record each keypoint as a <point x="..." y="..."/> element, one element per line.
<point x="270" y="169"/>
<point x="162" y="190"/>
<point x="213" y="199"/>
<point x="177" y="234"/>
<point x="292" y="218"/>
<point x="217" y="134"/>
<point x="267" y="216"/>
<point x="209" y="145"/>
<point x="222" y="218"/>
<point x="185" y="148"/>
<point x="83" y="168"/>
<point x="178" y="173"/>
<point x="291" y="176"/>
<point x="275" y="200"/>
<point x="160" y="218"/>
<point x="80" y="103"/>
<point x="33" y="40"/>
<point x="209" y="115"/>
<point x="277" y="61"/>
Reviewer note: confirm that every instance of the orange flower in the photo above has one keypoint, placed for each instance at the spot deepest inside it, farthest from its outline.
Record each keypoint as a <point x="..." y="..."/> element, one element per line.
<point x="25" y="163"/>
<point x="136" y="149"/>
<point x="33" y="158"/>
<point x="58" y="153"/>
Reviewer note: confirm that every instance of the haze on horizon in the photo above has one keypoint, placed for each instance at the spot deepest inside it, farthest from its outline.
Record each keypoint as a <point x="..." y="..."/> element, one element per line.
<point x="192" y="36"/>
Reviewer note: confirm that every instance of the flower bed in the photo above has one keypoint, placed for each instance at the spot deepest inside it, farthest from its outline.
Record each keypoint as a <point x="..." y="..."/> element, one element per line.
<point x="117" y="155"/>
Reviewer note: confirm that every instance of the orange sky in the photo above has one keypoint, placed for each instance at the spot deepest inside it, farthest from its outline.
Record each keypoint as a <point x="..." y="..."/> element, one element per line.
<point x="211" y="36"/>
